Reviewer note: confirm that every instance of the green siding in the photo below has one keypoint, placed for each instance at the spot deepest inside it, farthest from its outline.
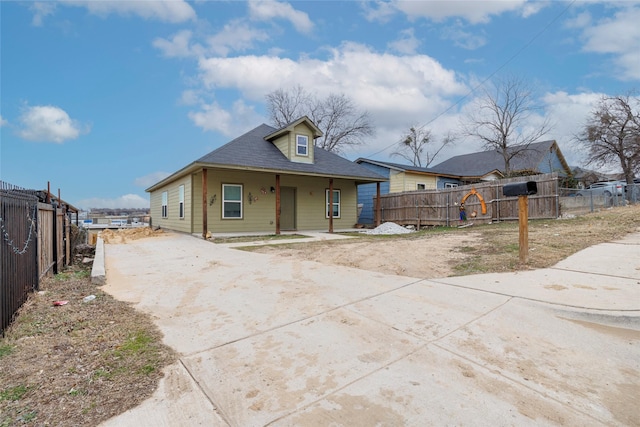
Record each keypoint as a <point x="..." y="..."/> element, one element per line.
<point x="173" y="221"/>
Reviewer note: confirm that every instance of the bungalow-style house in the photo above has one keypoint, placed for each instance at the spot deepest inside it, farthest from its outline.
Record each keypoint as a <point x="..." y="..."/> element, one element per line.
<point x="401" y="178"/>
<point x="537" y="158"/>
<point x="266" y="180"/>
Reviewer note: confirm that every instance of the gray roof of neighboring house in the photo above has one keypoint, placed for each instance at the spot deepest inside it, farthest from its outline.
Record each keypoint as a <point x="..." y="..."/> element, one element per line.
<point x="251" y="150"/>
<point x="399" y="166"/>
<point x="483" y="162"/>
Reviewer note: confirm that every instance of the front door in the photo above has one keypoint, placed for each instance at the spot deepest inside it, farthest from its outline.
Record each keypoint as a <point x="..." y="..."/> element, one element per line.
<point x="287" y="208"/>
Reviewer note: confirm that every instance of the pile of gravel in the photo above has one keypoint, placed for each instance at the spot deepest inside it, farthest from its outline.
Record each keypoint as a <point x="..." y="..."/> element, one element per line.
<point x="389" y="228"/>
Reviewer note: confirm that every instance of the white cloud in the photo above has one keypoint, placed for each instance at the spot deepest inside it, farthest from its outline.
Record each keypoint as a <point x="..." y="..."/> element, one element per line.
<point x="178" y="46"/>
<point x="40" y="11"/>
<point x="126" y="201"/>
<point x="235" y="36"/>
<point x="261" y="10"/>
<point x="150" y="179"/>
<point x="173" y="11"/>
<point x="212" y="117"/>
<point x="48" y="123"/>
<point x="397" y="91"/>
<point x="618" y="36"/>
<point x="3" y="121"/>
<point x="569" y="114"/>
<point x="464" y="39"/>
<point x="474" y="12"/>
<point x="407" y="43"/>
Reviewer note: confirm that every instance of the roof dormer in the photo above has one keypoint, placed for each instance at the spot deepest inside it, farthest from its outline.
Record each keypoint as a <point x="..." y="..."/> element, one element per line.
<point x="295" y="140"/>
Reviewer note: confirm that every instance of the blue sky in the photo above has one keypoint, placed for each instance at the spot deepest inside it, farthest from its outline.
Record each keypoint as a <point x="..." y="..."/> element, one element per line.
<point x="104" y="98"/>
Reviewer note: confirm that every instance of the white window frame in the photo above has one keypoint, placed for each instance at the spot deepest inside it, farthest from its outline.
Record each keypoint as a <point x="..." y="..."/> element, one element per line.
<point x="418" y="184"/>
<point x="225" y="201"/>
<point x="304" y="145"/>
<point x="181" y="201"/>
<point x="450" y="185"/>
<point x="326" y="206"/>
<point x="165" y="204"/>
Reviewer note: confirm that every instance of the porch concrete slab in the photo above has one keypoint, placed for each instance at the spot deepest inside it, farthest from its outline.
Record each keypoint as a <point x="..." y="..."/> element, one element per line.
<point x="178" y="401"/>
<point x="620" y="259"/>
<point x="558" y="286"/>
<point x="260" y="379"/>
<point x="428" y="310"/>
<point x="211" y="295"/>
<point x="435" y="387"/>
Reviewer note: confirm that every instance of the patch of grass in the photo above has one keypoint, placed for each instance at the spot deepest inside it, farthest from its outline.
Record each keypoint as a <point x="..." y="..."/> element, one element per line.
<point x="136" y="343"/>
<point x="5" y="350"/>
<point x="14" y="393"/>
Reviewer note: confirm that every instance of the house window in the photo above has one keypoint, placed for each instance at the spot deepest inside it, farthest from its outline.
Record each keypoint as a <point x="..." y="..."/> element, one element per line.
<point x="450" y="185"/>
<point x="181" y="201"/>
<point x="231" y="201"/>
<point x="165" y="201"/>
<point x="302" y="145"/>
<point x="421" y="186"/>
<point x="336" y="203"/>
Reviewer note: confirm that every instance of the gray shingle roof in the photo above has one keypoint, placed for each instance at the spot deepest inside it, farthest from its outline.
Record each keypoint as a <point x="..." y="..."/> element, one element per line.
<point x="251" y="150"/>
<point x="483" y="162"/>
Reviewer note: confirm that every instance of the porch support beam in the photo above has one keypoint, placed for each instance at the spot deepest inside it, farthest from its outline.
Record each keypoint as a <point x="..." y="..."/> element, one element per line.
<point x="378" y="205"/>
<point x="277" y="204"/>
<point x="204" y="203"/>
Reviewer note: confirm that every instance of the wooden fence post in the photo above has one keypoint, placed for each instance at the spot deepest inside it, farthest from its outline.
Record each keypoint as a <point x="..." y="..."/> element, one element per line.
<point x="523" y="222"/>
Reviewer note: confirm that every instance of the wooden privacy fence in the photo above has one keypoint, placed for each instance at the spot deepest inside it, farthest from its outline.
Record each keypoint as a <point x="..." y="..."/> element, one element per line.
<point x="442" y="207"/>
<point x="34" y="242"/>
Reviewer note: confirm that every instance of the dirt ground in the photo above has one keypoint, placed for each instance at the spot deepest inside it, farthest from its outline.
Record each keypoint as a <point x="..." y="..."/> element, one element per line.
<point x="443" y="252"/>
<point x="429" y="256"/>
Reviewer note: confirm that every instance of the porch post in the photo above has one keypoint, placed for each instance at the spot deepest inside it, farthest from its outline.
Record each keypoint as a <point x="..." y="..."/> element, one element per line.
<point x="378" y="205"/>
<point x="277" y="204"/>
<point x="331" y="205"/>
<point x="204" y="203"/>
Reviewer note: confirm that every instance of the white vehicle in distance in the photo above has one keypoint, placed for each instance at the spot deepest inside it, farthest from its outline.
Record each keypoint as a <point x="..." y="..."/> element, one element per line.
<point x="605" y="188"/>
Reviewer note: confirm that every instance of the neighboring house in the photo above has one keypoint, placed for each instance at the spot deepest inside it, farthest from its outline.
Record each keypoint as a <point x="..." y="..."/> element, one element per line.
<point x="266" y="180"/>
<point x="539" y="157"/>
<point x="401" y="178"/>
<point x="584" y="177"/>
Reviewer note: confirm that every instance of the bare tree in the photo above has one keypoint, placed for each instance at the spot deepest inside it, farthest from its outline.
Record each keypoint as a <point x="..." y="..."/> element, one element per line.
<point x="612" y="134"/>
<point x="502" y="120"/>
<point x="341" y="123"/>
<point x="414" y="146"/>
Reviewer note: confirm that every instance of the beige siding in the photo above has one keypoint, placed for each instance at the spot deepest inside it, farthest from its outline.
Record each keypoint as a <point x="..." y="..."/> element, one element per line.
<point x="407" y="181"/>
<point x="396" y="182"/>
<point x="259" y="215"/>
<point x="411" y="181"/>
<point x="173" y="221"/>
<point x="287" y="144"/>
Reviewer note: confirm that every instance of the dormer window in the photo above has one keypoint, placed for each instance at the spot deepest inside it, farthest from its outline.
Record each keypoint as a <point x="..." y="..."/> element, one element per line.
<point x="302" y="145"/>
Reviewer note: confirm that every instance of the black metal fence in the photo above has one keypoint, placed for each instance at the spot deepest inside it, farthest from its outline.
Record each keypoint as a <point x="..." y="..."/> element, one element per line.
<point x="18" y="249"/>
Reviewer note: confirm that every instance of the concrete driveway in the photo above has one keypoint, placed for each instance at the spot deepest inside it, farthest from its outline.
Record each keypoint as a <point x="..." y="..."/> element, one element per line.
<point x="266" y="340"/>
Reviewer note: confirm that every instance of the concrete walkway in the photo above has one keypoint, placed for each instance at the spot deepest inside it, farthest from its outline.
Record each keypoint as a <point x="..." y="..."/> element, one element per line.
<point x="266" y="340"/>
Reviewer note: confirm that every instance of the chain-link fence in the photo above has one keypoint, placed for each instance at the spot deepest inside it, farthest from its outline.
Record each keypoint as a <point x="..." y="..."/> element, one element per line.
<point x="574" y="200"/>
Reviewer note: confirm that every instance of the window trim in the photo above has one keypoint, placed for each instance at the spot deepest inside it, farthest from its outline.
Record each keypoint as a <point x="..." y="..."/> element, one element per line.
<point x="224" y="201"/>
<point x="164" y="210"/>
<point x="181" y="201"/>
<point x="338" y="204"/>
<point x="418" y="184"/>
<point x="450" y="185"/>
<point x="305" y="145"/>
